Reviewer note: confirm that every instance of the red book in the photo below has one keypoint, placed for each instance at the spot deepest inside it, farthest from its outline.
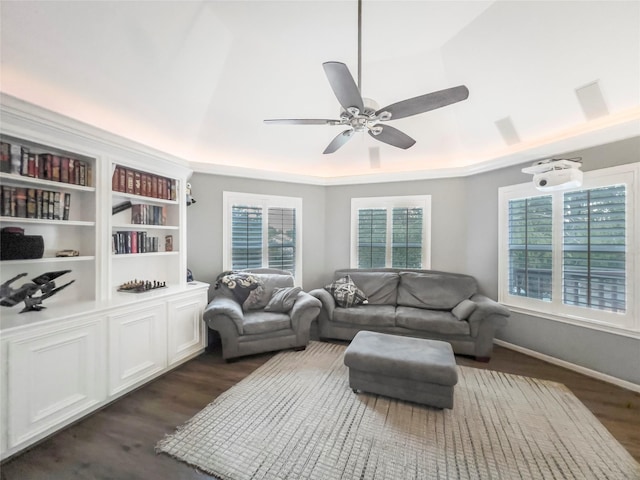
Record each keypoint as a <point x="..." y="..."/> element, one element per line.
<point x="129" y="184"/>
<point x="115" y="179"/>
<point x="134" y="242"/>
<point x="143" y="186"/>
<point x="122" y="184"/>
<point x="137" y="183"/>
<point x="154" y="186"/>
<point x="55" y="166"/>
<point x="31" y="166"/>
<point x="64" y="170"/>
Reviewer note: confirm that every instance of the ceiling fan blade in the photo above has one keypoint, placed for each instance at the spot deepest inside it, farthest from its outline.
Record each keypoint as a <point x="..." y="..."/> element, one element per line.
<point x="339" y="141"/>
<point x="393" y="136"/>
<point x="343" y="85"/>
<point x="425" y="103"/>
<point x="302" y="121"/>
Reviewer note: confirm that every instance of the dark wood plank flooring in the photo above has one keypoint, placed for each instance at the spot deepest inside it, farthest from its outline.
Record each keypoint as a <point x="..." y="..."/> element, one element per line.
<point x="118" y="441"/>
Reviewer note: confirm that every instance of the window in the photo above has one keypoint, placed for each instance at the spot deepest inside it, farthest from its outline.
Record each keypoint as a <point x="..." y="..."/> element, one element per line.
<point x="572" y="255"/>
<point x="391" y="232"/>
<point x="262" y="231"/>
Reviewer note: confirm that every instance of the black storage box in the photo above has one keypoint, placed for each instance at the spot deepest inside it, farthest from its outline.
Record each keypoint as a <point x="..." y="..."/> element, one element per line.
<point x="17" y="246"/>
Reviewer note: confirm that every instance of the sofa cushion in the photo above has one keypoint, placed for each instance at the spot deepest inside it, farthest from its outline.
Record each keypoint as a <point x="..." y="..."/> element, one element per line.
<point x="434" y="290"/>
<point x="433" y="321"/>
<point x="464" y="309"/>
<point x="380" y="288"/>
<point x="282" y="299"/>
<point x="345" y="292"/>
<point x="256" y="322"/>
<point x="269" y="282"/>
<point x="364" y="315"/>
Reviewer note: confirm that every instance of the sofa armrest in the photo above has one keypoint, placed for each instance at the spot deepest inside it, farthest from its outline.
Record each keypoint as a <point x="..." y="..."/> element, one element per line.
<point x="222" y="310"/>
<point x="328" y="302"/>
<point x="489" y="311"/>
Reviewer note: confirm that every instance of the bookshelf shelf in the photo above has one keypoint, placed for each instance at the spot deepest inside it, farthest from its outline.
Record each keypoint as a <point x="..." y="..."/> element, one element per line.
<point x="44" y="221"/>
<point x="144" y="226"/>
<point x="84" y="258"/>
<point x="147" y="254"/>
<point x="142" y="199"/>
<point x="13" y="179"/>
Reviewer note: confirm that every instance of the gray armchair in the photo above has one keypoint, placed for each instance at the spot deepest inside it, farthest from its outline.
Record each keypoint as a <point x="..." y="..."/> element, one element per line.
<point x="265" y="321"/>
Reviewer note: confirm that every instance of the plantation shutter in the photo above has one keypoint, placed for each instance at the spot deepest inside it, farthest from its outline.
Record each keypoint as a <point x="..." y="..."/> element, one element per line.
<point x="372" y="237"/>
<point x="406" y="247"/>
<point x="281" y="238"/>
<point x="530" y="247"/>
<point x="594" y="248"/>
<point x="246" y="237"/>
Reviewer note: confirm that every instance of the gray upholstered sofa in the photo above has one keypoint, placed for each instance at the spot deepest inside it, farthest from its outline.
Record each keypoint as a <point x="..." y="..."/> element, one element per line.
<point x="419" y="303"/>
<point x="246" y="323"/>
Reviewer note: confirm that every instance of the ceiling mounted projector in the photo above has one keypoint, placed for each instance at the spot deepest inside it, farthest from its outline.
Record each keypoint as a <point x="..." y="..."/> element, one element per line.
<point x="555" y="174"/>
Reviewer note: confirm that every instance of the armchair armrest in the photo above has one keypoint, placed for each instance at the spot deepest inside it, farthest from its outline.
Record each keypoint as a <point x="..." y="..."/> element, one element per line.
<point x="304" y="311"/>
<point x="222" y="310"/>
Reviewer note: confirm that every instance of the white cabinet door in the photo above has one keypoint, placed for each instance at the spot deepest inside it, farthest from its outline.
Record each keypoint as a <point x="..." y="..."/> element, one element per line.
<point x="137" y="346"/>
<point x="186" y="329"/>
<point x="54" y="377"/>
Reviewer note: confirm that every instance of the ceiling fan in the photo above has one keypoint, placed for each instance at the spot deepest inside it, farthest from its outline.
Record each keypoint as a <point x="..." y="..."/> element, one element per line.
<point x="361" y="114"/>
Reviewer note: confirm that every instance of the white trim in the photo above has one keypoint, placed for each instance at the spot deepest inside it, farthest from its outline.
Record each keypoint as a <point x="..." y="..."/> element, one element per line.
<point x="263" y="201"/>
<point x="634" y="387"/>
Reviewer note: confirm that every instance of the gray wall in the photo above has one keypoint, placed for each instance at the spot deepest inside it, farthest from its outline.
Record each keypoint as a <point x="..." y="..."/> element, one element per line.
<point x="464" y="236"/>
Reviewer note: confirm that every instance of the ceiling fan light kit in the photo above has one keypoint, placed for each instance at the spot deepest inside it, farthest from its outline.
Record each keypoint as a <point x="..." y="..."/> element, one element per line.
<point x="363" y="114"/>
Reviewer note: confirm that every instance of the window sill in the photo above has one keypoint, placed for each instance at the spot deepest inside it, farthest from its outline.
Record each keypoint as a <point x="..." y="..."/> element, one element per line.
<point x="577" y="321"/>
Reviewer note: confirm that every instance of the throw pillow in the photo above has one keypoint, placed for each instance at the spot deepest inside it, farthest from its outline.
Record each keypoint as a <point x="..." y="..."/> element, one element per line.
<point x="282" y="299"/>
<point x="238" y="283"/>
<point x="255" y="300"/>
<point x="464" y="309"/>
<point x="345" y="292"/>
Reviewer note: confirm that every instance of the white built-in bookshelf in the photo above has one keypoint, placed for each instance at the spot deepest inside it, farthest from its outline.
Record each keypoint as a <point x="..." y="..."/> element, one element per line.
<point x="93" y="342"/>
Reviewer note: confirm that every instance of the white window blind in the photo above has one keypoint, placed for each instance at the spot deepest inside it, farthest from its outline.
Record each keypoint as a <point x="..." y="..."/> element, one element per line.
<point x="372" y="237"/>
<point x="594" y="248"/>
<point x="262" y="231"/>
<point x="530" y="247"/>
<point x="390" y="232"/>
<point x="246" y="237"/>
<point x="282" y="238"/>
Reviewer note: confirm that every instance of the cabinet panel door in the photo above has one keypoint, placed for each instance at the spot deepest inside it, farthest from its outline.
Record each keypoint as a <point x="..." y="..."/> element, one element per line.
<point x="187" y="334"/>
<point x="137" y="346"/>
<point x="53" y="377"/>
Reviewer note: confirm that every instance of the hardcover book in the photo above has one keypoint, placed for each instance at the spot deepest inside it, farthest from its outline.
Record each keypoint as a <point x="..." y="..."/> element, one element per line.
<point x="67" y="206"/>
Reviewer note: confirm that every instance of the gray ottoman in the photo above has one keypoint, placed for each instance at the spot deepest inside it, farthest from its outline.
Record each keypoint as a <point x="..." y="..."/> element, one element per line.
<point x="413" y="369"/>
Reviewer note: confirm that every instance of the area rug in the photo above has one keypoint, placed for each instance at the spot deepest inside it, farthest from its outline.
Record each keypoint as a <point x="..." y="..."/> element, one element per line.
<point x="296" y="418"/>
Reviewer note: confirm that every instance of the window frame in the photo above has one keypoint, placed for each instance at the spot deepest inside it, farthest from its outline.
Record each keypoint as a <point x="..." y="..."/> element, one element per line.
<point x="230" y="199"/>
<point x="389" y="203"/>
<point x="627" y="323"/>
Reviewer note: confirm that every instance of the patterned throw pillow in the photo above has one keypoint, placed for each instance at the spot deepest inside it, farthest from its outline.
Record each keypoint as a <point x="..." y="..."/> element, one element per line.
<point x="345" y="292"/>
<point x="240" y="284"/>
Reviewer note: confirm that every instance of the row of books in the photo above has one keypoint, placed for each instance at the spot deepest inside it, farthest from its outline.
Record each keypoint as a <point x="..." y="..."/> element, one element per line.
<point x="127" y="180"/>
<point x="18" y="160"/>
<point x="25" y="202"/>
<point x="143" y="214"/>
<point x="133" y="242"/>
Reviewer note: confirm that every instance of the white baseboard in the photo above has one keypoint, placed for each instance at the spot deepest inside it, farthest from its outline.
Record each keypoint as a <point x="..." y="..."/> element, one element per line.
<point x="570" y="366"/>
